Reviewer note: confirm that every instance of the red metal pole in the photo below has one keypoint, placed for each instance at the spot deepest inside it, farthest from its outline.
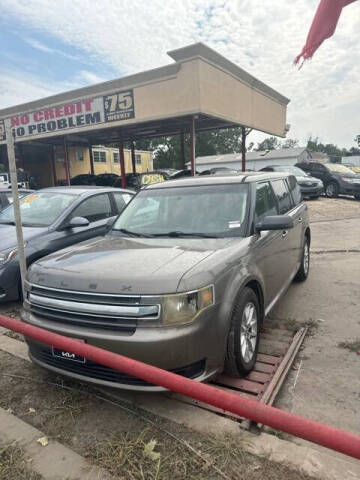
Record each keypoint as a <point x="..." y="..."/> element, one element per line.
<point x="53" y="161"/>
<point x="92" y="170"/>
<point x="182" y="149"/>
<point x="330" y="437"/>
<point x="192" y="146"/>
<point x="133" y="159"/>
<point x="243" y="149"/>
<point x="66" y="162"/>
<point x="122" y="161"/>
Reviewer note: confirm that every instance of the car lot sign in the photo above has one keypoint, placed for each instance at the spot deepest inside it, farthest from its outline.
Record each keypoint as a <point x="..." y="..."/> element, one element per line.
<point x="72" y="116"/>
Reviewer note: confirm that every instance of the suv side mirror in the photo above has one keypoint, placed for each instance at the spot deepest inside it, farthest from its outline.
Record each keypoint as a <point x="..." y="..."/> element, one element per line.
<point x="78" y="222"/>
<point x="275" y="222"/>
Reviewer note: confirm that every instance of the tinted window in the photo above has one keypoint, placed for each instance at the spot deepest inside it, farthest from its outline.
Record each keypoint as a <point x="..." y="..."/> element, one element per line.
<point x="94" y="208"/>
<point x="265" y="201"/>
<point x="295" y="190"/>
<point x="121" y="200"/>
<point x="283" y="196"/>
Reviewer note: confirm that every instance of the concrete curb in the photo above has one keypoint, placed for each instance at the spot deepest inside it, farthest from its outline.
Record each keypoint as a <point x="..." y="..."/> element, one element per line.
<point x="320" y="464"/>
<point x="53" y="462"/>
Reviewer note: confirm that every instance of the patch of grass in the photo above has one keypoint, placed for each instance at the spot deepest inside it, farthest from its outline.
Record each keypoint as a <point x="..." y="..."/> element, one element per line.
<point x="277" y="433"/>
<point x="353" y="346"/>
<point x="13" y="464"/>
<point x="293" y="325"/>
<point x="217" y="458"/>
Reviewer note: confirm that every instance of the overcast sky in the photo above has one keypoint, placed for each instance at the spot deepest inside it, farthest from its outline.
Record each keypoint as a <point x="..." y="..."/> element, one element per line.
<point x="48" y="47"/>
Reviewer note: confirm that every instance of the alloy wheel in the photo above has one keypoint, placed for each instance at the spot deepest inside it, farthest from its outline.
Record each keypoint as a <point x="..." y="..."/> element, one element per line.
<point x="248" y="332"/>
<point x="306" y="258"/>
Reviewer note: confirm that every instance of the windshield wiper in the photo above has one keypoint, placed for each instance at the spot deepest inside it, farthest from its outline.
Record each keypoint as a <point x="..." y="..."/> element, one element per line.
<point x="178" y="233"/>
<point x="132" y="234"/>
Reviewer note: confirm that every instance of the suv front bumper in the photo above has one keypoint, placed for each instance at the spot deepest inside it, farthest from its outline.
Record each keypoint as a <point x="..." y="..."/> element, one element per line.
<point x="194" y="350"/>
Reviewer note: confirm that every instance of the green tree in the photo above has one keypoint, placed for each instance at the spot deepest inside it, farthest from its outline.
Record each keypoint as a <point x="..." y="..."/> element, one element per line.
<point x="290" y="143"/>
<point x="270" y="143"/>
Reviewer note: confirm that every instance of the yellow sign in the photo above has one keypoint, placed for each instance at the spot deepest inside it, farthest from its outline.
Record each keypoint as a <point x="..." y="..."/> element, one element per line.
<point x="148" y="178"/>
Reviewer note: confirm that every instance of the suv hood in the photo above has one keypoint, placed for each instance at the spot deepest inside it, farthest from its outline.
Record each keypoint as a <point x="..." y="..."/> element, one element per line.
<point x="124" y="265"/>
<point x="8" y="237"/>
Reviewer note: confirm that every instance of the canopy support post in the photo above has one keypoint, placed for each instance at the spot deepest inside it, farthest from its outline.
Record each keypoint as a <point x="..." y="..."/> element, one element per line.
<point x="122" y="161"/>
<point x="16" y="205"/>
<point x="192" y="146"/>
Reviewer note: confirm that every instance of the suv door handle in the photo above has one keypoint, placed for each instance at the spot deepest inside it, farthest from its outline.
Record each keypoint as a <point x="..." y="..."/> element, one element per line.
<point x="284" y="233"/>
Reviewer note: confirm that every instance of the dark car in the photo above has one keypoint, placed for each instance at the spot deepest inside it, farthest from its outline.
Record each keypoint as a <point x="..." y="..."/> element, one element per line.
<point x="84" y="179"/>
<point x="106" y="179"/>
<point x="54" y="218"/>
<point x="6" y="196"/>
<point x="337" y="178"/>
<point x="135" y="181"/>
<point x="183" y="281"/>
<point x="310" y="187"/>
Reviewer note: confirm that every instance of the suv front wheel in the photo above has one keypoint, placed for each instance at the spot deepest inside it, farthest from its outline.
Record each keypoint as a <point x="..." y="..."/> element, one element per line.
<point x="243" y="339"/>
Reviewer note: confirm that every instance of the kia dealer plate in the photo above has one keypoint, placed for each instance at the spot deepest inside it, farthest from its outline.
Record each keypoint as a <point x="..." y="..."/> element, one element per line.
<point x="57" y="352"/>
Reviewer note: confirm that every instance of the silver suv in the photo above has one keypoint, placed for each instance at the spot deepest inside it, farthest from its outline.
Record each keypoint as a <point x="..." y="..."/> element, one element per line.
<point x="183" y="280"/>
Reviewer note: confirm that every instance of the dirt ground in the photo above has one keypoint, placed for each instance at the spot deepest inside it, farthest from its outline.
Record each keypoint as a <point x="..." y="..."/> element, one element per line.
<point x="326" y="387"/>
<point x="128" y="442"/>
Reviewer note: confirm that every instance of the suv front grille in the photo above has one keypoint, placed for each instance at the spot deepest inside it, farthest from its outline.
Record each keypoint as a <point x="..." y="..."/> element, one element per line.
<point x="115" y="312"/>
<point x="96" y="371"/>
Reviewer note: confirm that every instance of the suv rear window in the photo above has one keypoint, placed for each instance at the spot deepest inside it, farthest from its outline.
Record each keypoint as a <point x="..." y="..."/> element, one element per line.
<point x="282" y="195"/>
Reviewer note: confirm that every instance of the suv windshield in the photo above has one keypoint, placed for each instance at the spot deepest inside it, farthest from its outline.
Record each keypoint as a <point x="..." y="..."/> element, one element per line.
<point x="39" y="209"/>
<point x="296" y="171"/>
<point x="209" y="211"/>
<point x="337" y="168"/>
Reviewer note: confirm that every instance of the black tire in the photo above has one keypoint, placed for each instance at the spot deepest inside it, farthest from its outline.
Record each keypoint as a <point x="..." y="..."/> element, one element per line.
<point x="304" y="268"/>
<point x="235" y="362"/>
<point x="357" y="196"/>
<point x="332" y="190"/>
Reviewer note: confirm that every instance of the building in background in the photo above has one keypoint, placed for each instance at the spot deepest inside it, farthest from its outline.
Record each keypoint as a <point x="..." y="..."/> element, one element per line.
<point x="257" y="160"/>
<point x="106" y="160"/>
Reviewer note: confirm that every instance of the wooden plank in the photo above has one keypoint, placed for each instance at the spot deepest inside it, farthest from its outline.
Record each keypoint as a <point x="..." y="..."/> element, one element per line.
<point x="270" y="359"/>
<point x="258" y="377"/>
<point x="240" y="384"/>
<point x="264" y="367"/>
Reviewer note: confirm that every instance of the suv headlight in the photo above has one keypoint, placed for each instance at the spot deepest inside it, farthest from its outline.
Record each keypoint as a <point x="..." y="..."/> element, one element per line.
<point x="182" y="308"/>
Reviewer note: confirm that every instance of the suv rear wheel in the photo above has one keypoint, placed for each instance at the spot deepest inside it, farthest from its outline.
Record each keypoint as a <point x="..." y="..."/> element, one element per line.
<point x="304" y="268"/>
<point x="243" y="339"/>
<point x="332" y="189"/>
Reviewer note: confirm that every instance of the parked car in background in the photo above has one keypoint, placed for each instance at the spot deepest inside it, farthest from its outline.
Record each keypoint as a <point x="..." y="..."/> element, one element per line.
<point x="218" y="171"/>
<point x="337" y="178"/>
<point x="183" y="280"/>
<point x="135" y="181"/>
<point x="54" y="218"/>
<point x="6" y="196"/>
<point x="106" y="179"/>
<point x="310" y="187"/>
<point x="353" y="168"/>
<point x="84" y="179"/>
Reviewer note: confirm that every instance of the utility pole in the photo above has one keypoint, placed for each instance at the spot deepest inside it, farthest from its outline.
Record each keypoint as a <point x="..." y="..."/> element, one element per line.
<point x="16" y="204"/>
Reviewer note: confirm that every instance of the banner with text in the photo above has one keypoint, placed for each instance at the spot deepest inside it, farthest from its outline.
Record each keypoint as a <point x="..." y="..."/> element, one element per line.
<point x="70" y="116"/>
